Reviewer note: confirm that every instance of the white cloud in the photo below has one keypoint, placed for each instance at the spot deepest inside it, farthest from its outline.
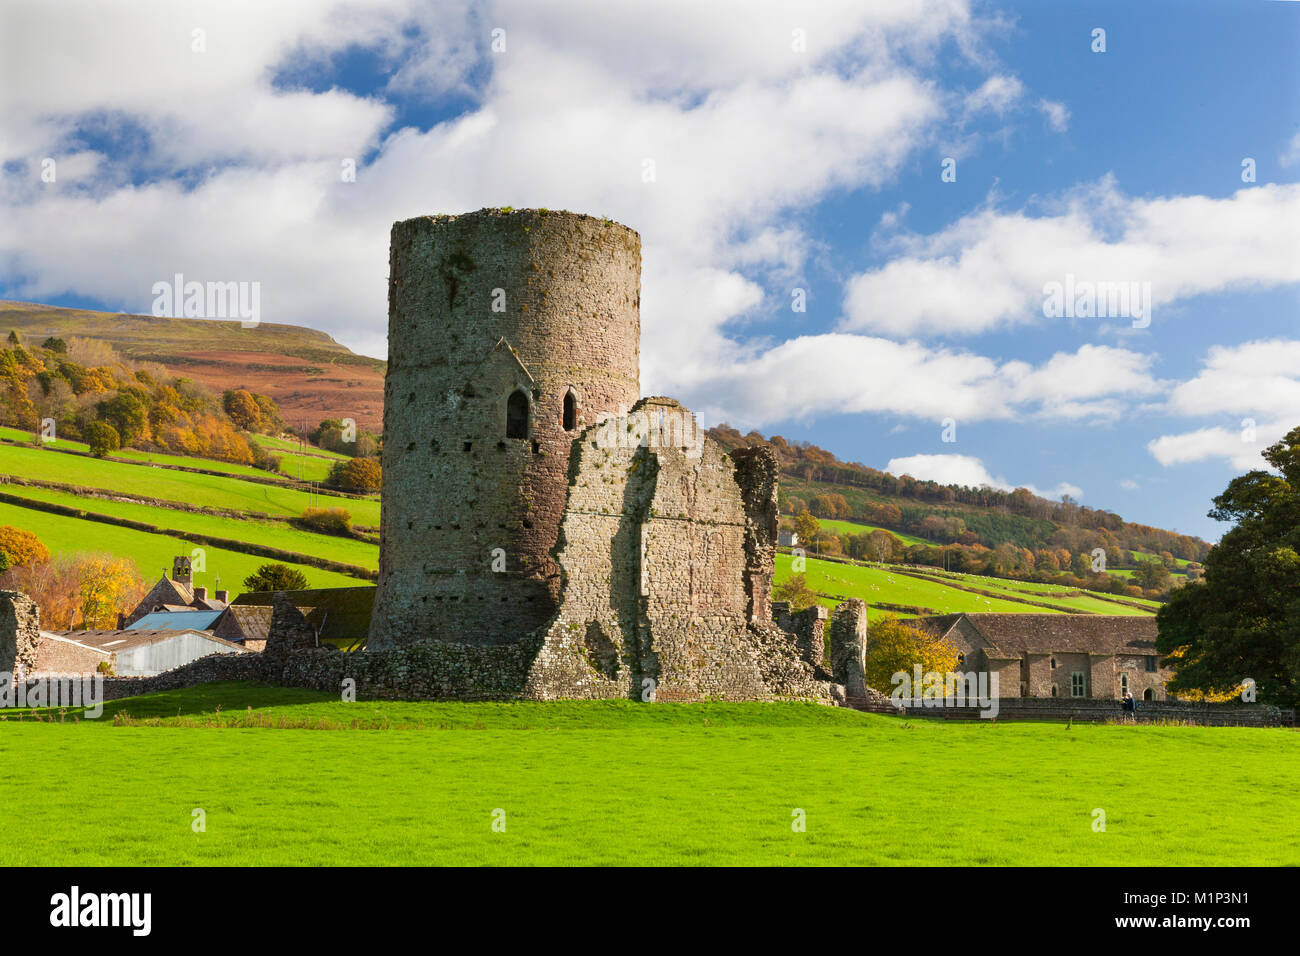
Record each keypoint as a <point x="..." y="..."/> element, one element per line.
<point x="1255" y="383"/>
<point x="988" y="269"/>
<point x="746" y="133"/>
<point x="1128" y="484"/>
<point x="997" y="95"/>
<point x="1240" y="448"/>
<point x="1058" y="116"/>
<point x="844" y="373"/>
<point x="969" y="471"/>
<point x="1291" y="154"/>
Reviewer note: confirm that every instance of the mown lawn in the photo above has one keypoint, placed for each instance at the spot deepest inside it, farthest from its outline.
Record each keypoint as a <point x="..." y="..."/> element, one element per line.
<point x="634" y="784"/>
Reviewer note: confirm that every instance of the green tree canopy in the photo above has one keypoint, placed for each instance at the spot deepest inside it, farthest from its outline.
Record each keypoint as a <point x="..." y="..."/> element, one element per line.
<point x="1243" y="621"/>
<point x="276" y="577"/>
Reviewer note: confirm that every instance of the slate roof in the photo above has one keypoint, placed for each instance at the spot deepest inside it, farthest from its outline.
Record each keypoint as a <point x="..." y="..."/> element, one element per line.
<point x="1015" y="635"/>
<point x="253" y="621"/>
<point x="169" y="620"/>
<point x="340" y="614"/>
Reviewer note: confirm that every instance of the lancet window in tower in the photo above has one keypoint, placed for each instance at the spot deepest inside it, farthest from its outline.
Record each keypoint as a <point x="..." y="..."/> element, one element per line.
<point x="517" y="411"/>
<point x="570" y="411"/>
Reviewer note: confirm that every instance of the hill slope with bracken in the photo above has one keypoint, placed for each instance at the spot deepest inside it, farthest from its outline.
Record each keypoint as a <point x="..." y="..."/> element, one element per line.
<point x="310" y="376"/>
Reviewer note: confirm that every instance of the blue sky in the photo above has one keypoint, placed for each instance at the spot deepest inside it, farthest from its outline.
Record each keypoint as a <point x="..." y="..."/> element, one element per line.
<point x="793" y="146"/>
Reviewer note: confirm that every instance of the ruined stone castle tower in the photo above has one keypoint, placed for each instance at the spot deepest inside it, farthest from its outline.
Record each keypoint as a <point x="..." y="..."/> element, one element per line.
<point x="509" y="332"/>
<point x="546" y="532"/>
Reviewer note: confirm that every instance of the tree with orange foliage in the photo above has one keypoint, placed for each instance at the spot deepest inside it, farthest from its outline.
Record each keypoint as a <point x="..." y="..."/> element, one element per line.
<point x="22" y="546"/>
<point x="79" y="590"/>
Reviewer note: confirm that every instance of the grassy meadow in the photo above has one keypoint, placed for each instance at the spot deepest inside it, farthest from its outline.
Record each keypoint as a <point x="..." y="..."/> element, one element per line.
<point x="618" y="782"/>
<point x="880" y="584"/>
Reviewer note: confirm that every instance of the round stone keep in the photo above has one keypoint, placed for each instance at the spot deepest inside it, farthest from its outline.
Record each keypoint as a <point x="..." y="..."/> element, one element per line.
<point x="509" y="332"/>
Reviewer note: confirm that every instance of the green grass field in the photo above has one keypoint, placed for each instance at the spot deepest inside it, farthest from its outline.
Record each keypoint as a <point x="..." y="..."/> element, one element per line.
<point x="154" y="552"/>
<point x="272" y="534"/>
<point x="836" y="526"/>
<point x="880" y="585"/>
<point x="636" y="784"/>
<point x="213" y="491"/>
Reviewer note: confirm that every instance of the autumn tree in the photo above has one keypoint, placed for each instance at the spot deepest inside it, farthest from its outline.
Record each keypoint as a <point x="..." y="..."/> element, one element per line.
<point x="795" y="591"/>
<point x="806" y="526"/>
<point x="105" y="586"/>
<point x="102" y="438"/>
<point x="894" y="646"/>
<point x="357" y="474"/>
<point x="22" y="546"/>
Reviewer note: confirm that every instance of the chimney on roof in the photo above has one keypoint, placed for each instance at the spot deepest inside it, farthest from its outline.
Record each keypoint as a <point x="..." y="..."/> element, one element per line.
<point x="200" y="594"/>
<point x="223" y="596"/>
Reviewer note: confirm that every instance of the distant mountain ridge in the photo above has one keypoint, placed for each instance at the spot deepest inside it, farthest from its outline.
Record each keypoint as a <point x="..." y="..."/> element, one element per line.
<point x="311" y="376"/>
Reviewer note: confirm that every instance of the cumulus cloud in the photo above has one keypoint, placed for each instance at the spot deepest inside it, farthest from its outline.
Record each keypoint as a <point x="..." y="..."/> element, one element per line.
<point x="1256" y="383"/>
<point x="841" y="372"/>
<point x="746" y="129"/>
<point x="989" y="269"/>
<point x="969" y="471"/>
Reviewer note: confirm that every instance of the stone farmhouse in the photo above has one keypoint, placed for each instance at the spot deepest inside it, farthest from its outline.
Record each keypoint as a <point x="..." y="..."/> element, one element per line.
<point x="176" y="593"/>
<point x="1058" y="655"/>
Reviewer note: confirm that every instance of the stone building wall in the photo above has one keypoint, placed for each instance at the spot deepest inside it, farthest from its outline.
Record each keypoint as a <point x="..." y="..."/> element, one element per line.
<point x="666" y="554"/>
<point x="20" y="633"/>
<point x="456" y="487"/>
<point x="67" y="657"/>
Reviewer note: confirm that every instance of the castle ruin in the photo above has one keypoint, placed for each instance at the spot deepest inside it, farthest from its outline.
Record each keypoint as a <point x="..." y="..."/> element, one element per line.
<point x="533" y="501"/>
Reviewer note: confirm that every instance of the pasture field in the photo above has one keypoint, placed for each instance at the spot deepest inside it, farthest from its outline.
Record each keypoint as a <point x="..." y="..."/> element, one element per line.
<point x="878" y="584"/>
<point x="272" y="534"/>
<point x="212" y="491"/>
<point x="281" y="446"/>
<point x="132" y="454"/>
<point x="154" y="552"/>
<point x="836" y="526"/>
<point x="619" y="782"/>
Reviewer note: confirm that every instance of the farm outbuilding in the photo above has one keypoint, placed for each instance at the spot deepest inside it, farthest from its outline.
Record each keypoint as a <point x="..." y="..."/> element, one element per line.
<point x="134" y="653"/>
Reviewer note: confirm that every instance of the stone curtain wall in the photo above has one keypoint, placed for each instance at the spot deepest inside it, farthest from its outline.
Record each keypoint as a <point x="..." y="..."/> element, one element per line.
<point x="849" y="647"/>
<point x="666" y="550"/>
<point x="455" y="486"/>
<point x="20" y="633"/>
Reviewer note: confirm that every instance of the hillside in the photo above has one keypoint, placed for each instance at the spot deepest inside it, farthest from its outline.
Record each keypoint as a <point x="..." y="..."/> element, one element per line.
<point x="310" y="376"/>
<point x="1007" y="534"/>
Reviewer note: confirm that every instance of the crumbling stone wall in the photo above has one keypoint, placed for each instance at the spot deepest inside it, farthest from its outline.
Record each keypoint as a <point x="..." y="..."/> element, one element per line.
<point x="289" y="630"/>
<point x="20" y="633"/>
<point x="482" y="306"/>
<point x="667" y="548"/>
<point x="808" y="627"/>
<point x="849" y="647"/>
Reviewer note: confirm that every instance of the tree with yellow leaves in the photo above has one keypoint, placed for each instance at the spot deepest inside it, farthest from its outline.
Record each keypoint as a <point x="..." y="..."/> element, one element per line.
<point x="893" y="646"/>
